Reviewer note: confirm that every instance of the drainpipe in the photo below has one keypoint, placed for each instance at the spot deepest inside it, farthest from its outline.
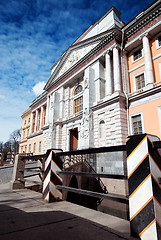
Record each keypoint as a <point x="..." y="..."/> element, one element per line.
<point x="124" y="83"/>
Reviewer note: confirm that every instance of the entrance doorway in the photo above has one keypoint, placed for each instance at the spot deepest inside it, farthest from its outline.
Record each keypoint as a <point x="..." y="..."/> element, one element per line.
<point x="73" y="139"/>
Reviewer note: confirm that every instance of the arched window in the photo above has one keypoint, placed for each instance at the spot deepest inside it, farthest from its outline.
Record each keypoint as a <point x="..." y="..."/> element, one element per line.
<point x="78" y="102"/>
<point x="78" y="90"/>
<point x="102" y="130"/>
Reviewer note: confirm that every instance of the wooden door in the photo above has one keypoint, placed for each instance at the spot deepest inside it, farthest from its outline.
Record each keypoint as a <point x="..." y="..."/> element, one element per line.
<point x="73" y="139"/>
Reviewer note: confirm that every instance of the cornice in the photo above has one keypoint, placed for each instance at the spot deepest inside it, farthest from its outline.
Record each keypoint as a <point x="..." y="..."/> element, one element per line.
<point x="38" y="100"/>
<point x="35" y="134"/>
<point x="114" y="99"/>
<point x="142" y="19"/>
<point x="143" y="94"/>
<point x="115" y="34"/>
<point x="69" y="120"/>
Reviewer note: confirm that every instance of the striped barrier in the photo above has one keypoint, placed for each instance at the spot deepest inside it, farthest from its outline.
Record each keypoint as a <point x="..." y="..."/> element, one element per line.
<point x="144" y="171"/>
<point x="52" y="165"/>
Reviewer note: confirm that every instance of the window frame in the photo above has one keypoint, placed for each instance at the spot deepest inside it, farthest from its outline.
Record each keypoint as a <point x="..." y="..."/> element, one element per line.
<point x="134" y="51"/>
<point x="34" y="147"/>
<point x="29" y="148"/>
<point x="40" y="144"/>
<point x="102" y="136"/>
<point x="77" y="96"/>
<point x="157" y="41"/>
<point x="131" y="121"/>
<point x="134" y="80"/>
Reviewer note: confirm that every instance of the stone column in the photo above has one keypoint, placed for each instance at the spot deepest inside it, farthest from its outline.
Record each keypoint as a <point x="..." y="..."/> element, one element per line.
<point x="108" y="76"/>
<point x="116" y="69"/>
<point x="31" y="123"/>
<point x="61" y="103"/>
<point x="41" y="116"/>
<point x="47" y="110"/>
<point x="148" y="61"/>
<point x="36" y="120"/>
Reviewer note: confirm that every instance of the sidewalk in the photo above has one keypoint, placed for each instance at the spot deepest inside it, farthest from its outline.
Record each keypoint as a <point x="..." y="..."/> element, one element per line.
<point x="25" y="216"/>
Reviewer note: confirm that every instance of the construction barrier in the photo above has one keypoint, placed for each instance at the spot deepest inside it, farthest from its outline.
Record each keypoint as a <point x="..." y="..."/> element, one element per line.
<point x="53" y="164"/>
<point x="144" y="172"/>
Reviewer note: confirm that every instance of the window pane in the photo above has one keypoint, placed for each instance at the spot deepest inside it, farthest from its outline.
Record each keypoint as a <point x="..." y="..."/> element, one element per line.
<point x="140" y="81"/>
<point x="78" y="105"/>
<point x="137" y="124"/>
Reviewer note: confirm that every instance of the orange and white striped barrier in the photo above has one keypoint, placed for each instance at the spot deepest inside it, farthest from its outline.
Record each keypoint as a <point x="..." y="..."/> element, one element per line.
<point x="144" y="171"/>
<point x="53" y="164"/>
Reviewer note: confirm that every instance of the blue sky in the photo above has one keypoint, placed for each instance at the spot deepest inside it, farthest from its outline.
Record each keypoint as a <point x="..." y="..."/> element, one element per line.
<point x="33" y="35"/>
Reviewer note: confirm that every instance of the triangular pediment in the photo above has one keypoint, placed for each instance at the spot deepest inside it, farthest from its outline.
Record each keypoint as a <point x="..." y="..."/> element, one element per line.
<point x="84" y="45"/>
<point x="74" y="56"/>
<point x="71" y="57"/>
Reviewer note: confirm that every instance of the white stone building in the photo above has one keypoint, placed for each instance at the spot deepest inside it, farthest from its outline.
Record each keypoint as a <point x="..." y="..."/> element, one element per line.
<point x="84" y="97"/>
<point x="96" y="94"/>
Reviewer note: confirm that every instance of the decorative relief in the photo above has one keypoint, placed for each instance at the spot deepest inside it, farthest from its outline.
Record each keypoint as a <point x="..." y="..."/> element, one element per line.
<point x="74" y="57"/>
<point x="85" y="125"/>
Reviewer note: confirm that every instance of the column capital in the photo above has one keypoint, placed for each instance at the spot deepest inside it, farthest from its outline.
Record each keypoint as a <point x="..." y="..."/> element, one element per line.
<point x="116" y="46"/>
<point x="109" y="52"/>
<point x="145" y="35"/>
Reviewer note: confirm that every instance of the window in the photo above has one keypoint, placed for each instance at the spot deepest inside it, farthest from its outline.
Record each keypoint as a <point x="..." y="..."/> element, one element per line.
<point x="158" y="41"/>
<point x="44" y="116"/>
<point x="38" y="120"/>
<point x="25" y="122"/>
<point x="40" y="147"/>
<point x="137" y="54"/>
<point x="23" y="133"/>
<point x="25" y="148"/>
<point x="140" y="81"/>
<point x="78" y="90"/>
<point x="102" y="130"/>
<point x="137" y="124"/>
<point x="33" y="124"/>
<point x="28" y="120"/>
<point x="28" y="132"/>
<point x="34" y="148"/>
<point x="78" y="105"/>
<point x="29" y="148"/>
<point x="78" y="102"/>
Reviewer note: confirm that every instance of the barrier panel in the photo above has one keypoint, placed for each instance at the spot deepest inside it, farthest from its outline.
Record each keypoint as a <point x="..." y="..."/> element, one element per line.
<point x="53" y="164"/>
<point x="144" y="172"/>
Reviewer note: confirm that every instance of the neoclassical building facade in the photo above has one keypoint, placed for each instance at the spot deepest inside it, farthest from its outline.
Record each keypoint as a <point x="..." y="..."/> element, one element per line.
<point x="105" y="87"/>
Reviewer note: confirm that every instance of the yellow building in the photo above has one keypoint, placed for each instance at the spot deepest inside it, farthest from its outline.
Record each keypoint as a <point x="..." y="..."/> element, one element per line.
<point x="26" y="121"/>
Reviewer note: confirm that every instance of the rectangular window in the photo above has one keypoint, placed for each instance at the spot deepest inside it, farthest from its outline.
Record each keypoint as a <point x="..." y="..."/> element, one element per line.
<point x="140" y="81"/>
<point x="137" y="124"/>
<point x="159" y="40"/>
<point x="78" y="105"/>
<point x="34" y="148"/>
<point x="29" y="148"/>
<point x="137" y="54"/>
<point x="40" y="147"/>
<point x="23" y="133"/>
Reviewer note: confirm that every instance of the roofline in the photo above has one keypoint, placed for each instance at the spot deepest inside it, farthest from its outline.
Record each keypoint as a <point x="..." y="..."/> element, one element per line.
<point x="141" y="14"/>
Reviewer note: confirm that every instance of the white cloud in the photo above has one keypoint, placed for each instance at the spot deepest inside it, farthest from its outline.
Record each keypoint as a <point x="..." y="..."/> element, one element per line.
<point x="38" y="88"/>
